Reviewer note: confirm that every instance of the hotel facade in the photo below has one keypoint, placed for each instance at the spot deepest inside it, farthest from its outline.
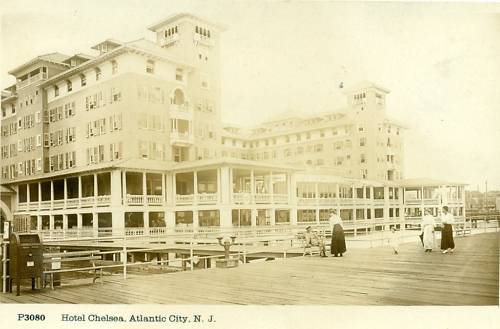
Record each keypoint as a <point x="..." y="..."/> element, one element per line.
<point x="131" y="140"/>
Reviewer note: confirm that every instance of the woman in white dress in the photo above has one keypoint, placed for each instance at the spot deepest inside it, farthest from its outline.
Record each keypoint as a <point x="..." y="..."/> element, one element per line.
<point x="428" y="225"/>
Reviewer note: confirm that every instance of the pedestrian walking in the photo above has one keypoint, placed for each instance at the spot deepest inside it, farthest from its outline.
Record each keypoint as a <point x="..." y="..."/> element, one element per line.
<point x="428" y="225"/>
<point x="394" y="240"/>
<point x="447" y="220"/>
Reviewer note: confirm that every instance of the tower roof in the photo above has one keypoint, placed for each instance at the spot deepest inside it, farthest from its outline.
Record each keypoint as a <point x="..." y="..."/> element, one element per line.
<point x="363" y="85"/>
<point x="180" y="16"/>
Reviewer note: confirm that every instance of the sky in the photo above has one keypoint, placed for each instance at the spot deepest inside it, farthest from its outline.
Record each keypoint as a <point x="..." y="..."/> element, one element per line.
<point x="441" y="63"/>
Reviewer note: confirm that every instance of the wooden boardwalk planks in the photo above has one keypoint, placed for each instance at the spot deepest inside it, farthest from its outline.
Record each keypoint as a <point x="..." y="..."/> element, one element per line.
<point x="375" y="276"/>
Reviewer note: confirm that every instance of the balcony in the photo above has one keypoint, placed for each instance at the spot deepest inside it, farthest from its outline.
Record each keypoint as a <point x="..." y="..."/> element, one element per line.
<point x="242" y="198"/>
<point x="72" y="203"/>
<point x="135" y="200"/>
<point x="22" y="206"/>
<point x="182" y="139"/>
<point x="182" y="112"/>
<point x="103" y="200"/>
<point x="87" y="202"/>
<point x="306" y="201"/>
<point x="154" y="200"/>
<point x="58" y="204"/>
<point x="207" y="198"/>
<point x="170" y="40"/>
<point x="30" y="80"/>
<point x="203" y="40"/>
<point x="183" y="199"/>
<point x="280" y="198"/>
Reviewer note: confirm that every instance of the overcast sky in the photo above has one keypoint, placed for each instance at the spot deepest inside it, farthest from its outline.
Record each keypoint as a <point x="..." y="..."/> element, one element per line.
<point x="440" y="61"/>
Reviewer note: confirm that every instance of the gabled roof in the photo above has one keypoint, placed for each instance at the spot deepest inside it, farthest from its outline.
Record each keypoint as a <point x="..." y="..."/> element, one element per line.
<point x="55" y="58"/>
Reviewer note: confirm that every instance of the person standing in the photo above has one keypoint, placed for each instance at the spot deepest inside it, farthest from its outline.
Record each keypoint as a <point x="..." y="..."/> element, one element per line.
<point x="338" y="239"/>
<point x="394" y="240"/>
<point x="428" y="225"/>
<point x="447" y="220"/>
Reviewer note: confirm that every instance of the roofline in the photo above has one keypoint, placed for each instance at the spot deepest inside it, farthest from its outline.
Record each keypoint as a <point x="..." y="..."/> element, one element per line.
<point x="117" y="51"/>
<point x="33" y="61"/>
<point x="178" y="16"/>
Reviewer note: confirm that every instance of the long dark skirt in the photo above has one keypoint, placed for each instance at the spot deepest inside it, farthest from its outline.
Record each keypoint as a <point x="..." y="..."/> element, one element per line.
<point x="338" y="240"/>
<point x="447" y="237"/>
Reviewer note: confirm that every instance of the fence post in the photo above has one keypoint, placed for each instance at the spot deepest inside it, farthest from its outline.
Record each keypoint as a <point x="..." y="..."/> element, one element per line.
<point x="124" y="258"/>
<point x="191" y="255"/>
<point x="4" y="266"/>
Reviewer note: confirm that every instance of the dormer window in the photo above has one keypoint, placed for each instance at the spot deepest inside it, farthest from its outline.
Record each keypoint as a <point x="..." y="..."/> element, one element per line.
<point x="69" y="85"/>
<point x="114" y="67"/>
<point x="56" y="91"/>
<point x="150" y="67"/>
<point x="97" y="74"/>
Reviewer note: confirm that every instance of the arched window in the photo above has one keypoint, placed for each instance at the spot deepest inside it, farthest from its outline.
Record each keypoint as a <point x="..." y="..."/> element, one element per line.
<point x="178" y="97"/>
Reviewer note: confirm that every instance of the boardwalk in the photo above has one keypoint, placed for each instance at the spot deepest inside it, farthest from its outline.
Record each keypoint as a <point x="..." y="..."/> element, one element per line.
<point x="363" y="277"/>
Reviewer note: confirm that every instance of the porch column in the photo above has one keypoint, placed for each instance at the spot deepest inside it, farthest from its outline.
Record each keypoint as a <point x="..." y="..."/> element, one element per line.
<point x="51" y="222"/>
<point x="291" y="188"/>
<point x="65" y="195"/>
<point x="422" y="201"/>
<point x="196" y="221"/>
<point x="293" y="215"/>
<point x="170" y="189"/>
<point x="39" y="194"/>
<point x="124" y="189"/>
<point x="174" y="189"/>
<point x="271" y="187"/>
<point x="372" y="207"/>
<point x="145" y="217"/>
<point x="79" y="224"/>
<point x="95" y="222"/>
<point x="195" y="187"/>
<point x="170" y="218"/>
<point x="39" y="222"/>
<point x="252" y="186"/>
<point x="51" y="192"/>
<point x="225" y="217"/>
<point x="144" y="186"/>
<point x="115" y="187"/>
<point x="272" y="218"/>
<point x="253" y="217"/>
<point x="79" y="187"/>
<point x="316" y="194"/>
<point x="95" y="187"/>
<point x="27" y="195"/>
<point x="364" y="203"/>
<point x="65" y="220"/>
<point x="226" y="186"/>
<point x="163" y="191"/>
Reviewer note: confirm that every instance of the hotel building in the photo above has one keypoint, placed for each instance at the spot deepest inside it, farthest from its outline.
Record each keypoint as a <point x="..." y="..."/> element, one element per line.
<point x="131" y="140"/>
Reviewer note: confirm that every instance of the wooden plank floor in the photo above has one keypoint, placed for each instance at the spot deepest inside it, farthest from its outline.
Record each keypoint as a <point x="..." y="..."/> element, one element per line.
<point x="375" y="276"/>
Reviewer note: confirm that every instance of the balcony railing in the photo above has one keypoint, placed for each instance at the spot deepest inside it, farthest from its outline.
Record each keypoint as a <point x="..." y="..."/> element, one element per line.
<point x="103" y="200"/>
<point x="203" y="39"/>
<point x="184" y="199"/>
<point x="135" y="200"/>
<point x="22" y="206"/>
<point x="182" y="138"/>
<point x="72" y="203"/>
<point x="44" y="205"/>
<point x="154" y="200"/>
<point x="169" y="40"/>
<point x="280" y="198"/>
<point x="30" y="80"/>
<point x="242" y="197"/>
<point x="207" y="198"/>
<point x="87" y="202"/>
<point x="262" y="197"/>
<point x="58" y="204"/>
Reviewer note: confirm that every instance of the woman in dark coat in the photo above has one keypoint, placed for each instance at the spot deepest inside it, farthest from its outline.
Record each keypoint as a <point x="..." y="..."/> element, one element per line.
<point x="338" y="239"/>
<point x="447" y="220"/>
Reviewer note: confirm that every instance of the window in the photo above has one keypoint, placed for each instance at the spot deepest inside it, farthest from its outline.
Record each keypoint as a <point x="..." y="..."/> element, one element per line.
<point x="69" y="85"/>
<point x="318" y="148"/>
<point x="179" y="74"/>
<point x="204" y="81"/>
<point x="114" y="67"/>
<point x="150" y="67"/>
<point x="97" y="74"/>
<point x="56" y="91"/>
<point x="83" y="80"/>
<point x="362" y="141"/>
<point x="362" y="158"/>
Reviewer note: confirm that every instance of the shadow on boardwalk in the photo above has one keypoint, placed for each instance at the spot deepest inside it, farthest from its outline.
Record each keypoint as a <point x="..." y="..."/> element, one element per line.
<point x="375" y="276"/>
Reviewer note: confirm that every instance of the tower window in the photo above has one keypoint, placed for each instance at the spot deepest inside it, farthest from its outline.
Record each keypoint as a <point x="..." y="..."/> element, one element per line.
<point x="150" y="66"/>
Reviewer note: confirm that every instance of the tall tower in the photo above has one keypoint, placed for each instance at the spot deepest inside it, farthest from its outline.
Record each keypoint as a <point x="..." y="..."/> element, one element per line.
<point x="194" y="40"/>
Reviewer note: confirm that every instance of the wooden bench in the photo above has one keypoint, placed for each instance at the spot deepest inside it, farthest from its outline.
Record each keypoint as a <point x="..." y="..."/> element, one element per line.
<point x="310" y="248"/>
<point x="53" y="264"/>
